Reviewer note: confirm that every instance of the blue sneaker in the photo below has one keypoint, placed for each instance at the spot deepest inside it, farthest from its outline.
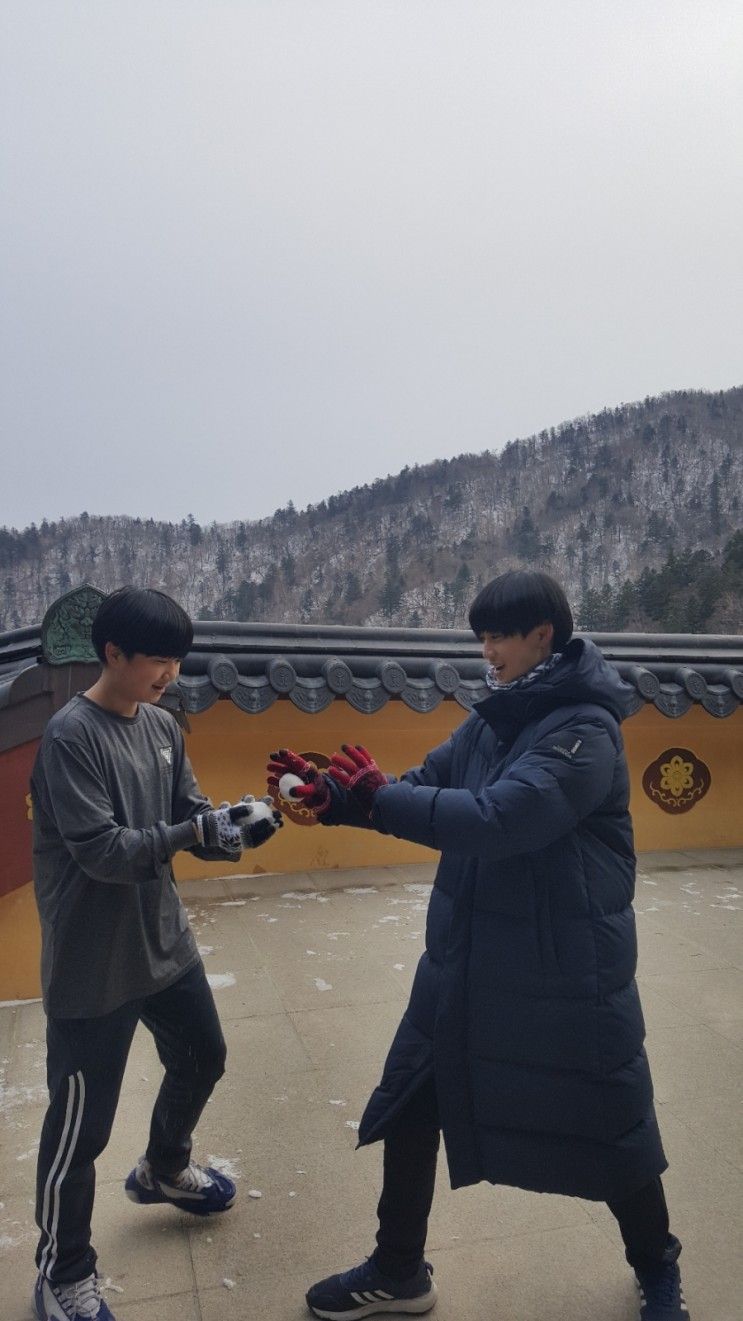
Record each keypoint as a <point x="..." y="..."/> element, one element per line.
<point x="202" y="1191"/>
<point x="80" y="1301"/>
<point x="364" y="1290"/>
<point x="661" y="1294"/>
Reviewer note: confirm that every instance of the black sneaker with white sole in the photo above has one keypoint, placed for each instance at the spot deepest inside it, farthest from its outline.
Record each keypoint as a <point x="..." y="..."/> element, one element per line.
<point x="661" y="1293"/>
<point x="364" y="1290"/>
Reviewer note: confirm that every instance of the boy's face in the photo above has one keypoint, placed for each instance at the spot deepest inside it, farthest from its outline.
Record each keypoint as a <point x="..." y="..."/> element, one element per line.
<point x="518" y="653"/>
<point x="141" y="678"/>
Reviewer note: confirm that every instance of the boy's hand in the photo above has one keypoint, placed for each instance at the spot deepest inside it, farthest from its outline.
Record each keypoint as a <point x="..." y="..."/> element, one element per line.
<point x="216" y="829"/>
<point x="358" y="772"/>
<point x="245" y="825"/>
<point x="313" y="792"/>
<point x="256" y="819"/>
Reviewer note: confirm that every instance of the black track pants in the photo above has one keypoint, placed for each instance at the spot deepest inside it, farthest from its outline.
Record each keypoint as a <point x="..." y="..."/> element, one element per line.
<point x="86" y="1058"/>
<point x="410" y="1151"/>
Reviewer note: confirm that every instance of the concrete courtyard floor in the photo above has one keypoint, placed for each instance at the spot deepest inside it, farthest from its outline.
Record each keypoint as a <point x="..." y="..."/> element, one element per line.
<point x="310" y="974"/>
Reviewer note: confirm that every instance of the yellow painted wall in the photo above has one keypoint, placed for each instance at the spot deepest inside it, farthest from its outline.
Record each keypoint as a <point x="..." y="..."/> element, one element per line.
<point x="20" y="945"/>
<point x="229" y="751"/>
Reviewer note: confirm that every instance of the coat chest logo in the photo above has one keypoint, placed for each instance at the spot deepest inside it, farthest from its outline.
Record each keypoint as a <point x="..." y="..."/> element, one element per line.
<point x="677" y="780"/>
<point x="568" y="752"/>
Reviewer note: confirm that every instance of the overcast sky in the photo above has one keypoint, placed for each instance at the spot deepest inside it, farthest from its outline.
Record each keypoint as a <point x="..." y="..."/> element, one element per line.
<point x="271" y="249"/>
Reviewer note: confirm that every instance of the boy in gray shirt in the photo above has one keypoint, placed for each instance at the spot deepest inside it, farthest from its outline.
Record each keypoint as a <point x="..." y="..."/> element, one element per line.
<point x="114" y="798"/>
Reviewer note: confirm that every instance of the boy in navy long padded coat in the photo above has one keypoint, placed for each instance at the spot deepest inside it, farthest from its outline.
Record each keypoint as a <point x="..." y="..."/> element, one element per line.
<point x="523" y="1038"/>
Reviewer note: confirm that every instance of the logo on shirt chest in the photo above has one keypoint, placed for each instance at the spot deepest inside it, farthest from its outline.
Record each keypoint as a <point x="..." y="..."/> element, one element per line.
<point x="167" y="755"/>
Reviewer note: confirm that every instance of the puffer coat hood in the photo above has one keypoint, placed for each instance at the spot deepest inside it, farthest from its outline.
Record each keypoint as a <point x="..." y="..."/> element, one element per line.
<point x="582" y="676"/>
<point x="524" y="1003"/>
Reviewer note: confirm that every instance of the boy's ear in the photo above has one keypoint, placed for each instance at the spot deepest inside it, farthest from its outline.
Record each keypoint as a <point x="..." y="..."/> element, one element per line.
<point x="546" y="632"/>
<point x="114" y="655"/>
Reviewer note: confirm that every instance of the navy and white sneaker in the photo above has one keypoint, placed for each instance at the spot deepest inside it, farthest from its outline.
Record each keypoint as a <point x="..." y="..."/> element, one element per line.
<point x="80" y="1301"/>
<point x="364" y="1290"/>
<point x="661" y="1294"/>
<point x="197" y="1189"/>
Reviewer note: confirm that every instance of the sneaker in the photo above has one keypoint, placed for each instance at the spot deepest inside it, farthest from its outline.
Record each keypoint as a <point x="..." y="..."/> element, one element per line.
<point x="80" y="1301"/>
<point x="661" y="1294"/>
<point x="199" y="1190"/>
<point x="364" y="1290"/>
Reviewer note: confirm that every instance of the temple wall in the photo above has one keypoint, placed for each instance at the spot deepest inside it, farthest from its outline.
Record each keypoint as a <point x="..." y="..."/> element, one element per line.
<point x="229" y="751"/>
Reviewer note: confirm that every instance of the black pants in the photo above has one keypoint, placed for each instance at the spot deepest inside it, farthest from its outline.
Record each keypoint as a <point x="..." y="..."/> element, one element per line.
<point x="410" y="1151"/>
<point x="86" y="1058"/>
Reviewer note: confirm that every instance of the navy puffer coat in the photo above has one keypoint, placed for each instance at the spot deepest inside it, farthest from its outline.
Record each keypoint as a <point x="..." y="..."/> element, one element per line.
<point x="524" y="1004"/>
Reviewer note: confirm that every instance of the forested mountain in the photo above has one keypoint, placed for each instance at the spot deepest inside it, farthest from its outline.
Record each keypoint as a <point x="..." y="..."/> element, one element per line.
<point x="637" y="509"/>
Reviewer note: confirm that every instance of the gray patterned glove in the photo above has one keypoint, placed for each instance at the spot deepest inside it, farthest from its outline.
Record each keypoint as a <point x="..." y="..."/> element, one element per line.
<point x="217" y="829"/>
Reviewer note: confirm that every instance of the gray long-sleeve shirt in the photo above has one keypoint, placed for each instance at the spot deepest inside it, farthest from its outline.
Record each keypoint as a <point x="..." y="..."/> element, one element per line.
<point x="113" y="798"/>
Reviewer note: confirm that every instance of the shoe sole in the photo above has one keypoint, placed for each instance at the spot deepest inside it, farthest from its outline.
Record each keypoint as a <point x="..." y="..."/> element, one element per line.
<point x="412" y="1306"/>
<point x="193" y="1208"/>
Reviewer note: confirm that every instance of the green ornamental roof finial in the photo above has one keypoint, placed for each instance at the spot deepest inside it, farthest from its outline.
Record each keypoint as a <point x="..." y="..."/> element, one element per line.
<point x="65" y="629"/>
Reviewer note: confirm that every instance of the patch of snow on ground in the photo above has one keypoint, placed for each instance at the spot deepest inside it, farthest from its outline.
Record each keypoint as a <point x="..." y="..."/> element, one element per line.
<point x="219" y="981"/>
<point x="11" y="1097"/>
<point x="322" y="985"/>
<point x="418" y="889"/>
<point x="360" y="889"/>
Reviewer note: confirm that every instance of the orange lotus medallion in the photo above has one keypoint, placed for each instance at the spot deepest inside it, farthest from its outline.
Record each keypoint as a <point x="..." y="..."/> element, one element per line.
<point x="677" y="780"/>
<point x="300" y="815"/>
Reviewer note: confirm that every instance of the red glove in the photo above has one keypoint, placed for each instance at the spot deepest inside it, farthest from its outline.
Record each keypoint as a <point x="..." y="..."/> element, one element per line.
<point x="314" y="793"/>
<point x="358" y="772"/>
